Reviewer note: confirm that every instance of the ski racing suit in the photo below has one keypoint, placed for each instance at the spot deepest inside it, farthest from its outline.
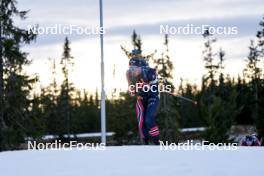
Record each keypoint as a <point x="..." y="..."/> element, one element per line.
<point x="147" y="104"/>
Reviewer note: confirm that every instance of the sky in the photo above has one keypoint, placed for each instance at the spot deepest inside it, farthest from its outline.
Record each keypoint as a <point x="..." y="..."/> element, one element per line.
<point x="145" y="16"/>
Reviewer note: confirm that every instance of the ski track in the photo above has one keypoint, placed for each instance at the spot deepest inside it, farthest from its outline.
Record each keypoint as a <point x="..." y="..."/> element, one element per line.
<point x="133" y="161"/>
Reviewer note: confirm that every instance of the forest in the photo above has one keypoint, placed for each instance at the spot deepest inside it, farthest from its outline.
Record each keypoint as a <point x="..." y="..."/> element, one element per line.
<point x="58" y="109"/>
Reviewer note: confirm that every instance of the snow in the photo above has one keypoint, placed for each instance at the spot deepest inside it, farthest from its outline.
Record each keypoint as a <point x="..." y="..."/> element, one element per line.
<point x="192" y="129"/>
<point x="81" y="135"/>
<point x="133" y="161"/>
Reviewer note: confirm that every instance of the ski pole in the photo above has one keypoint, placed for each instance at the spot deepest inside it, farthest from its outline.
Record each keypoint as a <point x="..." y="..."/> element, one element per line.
<point x="183" y="98"/>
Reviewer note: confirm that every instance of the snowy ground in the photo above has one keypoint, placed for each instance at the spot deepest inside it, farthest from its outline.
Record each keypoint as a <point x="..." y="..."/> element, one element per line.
<point x="133" y="161"/>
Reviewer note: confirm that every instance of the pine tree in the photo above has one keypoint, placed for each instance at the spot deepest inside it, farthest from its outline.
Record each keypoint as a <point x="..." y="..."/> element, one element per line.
<point x="66" y="89"/>
<point x="218" y="97"/>
<point x="189" y="114"/>
<point x="86" y="114"/>
<point x="168" y="116"/>
<point x="15" y="86"/>
<point x="253" y="73"/>
<point x="260" y="38"/>
<point x="49" y="102"/>
<point x="137" y="44"/>
<point x="36" y="123"/>
<point x="244" y="116"/>
<point x="260" y="91"/>
<point x="121" y="119"/>
<point x="136" y="41"/>
<point x="209" y="58"/>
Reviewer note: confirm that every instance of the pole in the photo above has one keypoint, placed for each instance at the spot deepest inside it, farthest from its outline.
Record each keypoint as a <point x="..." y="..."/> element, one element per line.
<point x="184" y="98"/>
<point x="103" y="126"/>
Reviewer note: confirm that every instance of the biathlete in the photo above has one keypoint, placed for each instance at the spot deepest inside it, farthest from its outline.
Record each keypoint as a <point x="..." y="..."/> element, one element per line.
<point x="143" y="84"/>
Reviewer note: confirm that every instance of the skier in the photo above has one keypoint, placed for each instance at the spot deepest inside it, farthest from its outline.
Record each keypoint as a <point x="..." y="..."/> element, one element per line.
<point x="143" y="83"/>
<point x="250" y="140"/>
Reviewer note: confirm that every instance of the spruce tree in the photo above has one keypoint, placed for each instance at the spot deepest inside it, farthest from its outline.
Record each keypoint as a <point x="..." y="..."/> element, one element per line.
<point x="168" y="116"/>
<point x="65" y="97"/>
<point x="136" y="41"/>
<point x="49" y="101"/>
<point x="218" y="97"/>
<point x="15" y="86"/>
<point x="254" y="74"/>
<point x="209" y="58"/>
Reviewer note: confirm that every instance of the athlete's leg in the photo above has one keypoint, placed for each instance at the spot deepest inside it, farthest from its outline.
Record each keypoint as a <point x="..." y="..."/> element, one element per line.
<point x="146" y="134"/>
<point x="140" y="117"/>
<point x="150" y="121"/>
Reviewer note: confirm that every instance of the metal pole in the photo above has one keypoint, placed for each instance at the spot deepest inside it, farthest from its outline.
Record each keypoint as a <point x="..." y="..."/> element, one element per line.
<point x="103" y="126"/>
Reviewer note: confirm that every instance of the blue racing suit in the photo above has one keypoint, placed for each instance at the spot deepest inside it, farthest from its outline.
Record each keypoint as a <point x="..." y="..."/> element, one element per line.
<point x="147" y="105"/>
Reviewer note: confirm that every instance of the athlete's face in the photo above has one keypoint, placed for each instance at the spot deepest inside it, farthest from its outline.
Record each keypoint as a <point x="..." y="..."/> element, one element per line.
<point x="135" y="71"/>
<point x="132" y="73"/>
<point x="137" y="56"/>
